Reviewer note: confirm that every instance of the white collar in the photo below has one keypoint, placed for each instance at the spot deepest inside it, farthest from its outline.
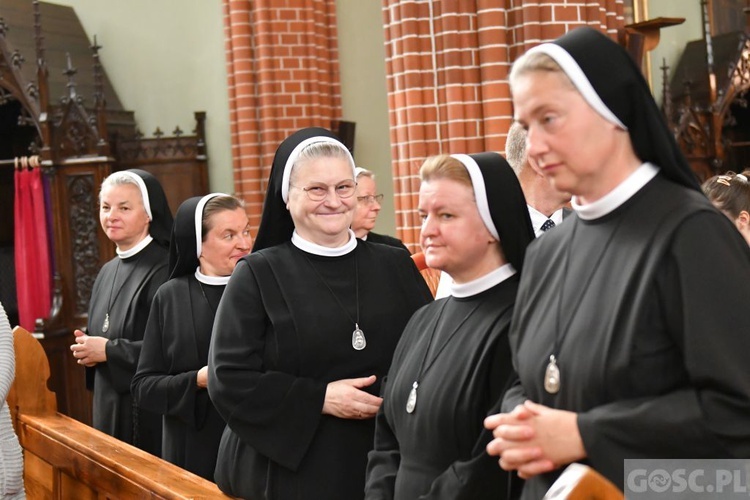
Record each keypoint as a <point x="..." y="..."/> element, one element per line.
<point x="482" y="283"/>
<point x="538" y="219"/>
<point x="210" y="280"/>
<point x="126" y="254"/>
<point x="315" y="249"/>
<point x="619" y="195"/>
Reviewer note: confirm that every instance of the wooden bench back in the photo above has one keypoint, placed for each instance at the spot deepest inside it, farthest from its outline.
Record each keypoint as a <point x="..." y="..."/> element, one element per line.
<point x="64" y="458"/>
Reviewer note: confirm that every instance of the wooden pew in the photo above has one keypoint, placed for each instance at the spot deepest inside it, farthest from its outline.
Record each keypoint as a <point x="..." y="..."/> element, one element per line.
<point x="581" y="482"/>
<point x="65" y="459"/>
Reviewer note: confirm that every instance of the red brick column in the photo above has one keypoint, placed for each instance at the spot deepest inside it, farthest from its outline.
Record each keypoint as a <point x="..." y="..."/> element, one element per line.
<point x="447" y="63"/>
<point x="282" y="64"/>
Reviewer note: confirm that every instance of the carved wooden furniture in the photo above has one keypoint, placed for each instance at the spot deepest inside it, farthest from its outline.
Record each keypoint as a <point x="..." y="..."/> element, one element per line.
<point x="75" y="123"/>
<point x="706" y="100"/>
<point x="65" y="459"/>
<point x="708" y="108"/>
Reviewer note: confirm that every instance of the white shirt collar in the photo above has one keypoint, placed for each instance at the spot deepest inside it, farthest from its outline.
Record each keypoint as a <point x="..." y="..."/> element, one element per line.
<point x="483" y="283"/>
<point x="310" y="247"/>
<point x="137" y="248"/>
<point x="619" y="195"/>
<point x="538" y="218"/>
<point x="210" y="280"/>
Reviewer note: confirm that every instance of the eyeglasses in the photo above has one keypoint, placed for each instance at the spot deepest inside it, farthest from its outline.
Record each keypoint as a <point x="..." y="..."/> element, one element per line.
<point x="370" y="199"/>
<point x="320" y="192"/>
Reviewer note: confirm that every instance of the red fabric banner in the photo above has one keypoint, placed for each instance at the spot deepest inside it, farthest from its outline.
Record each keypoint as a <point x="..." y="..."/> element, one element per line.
<point x="33" y="273"/>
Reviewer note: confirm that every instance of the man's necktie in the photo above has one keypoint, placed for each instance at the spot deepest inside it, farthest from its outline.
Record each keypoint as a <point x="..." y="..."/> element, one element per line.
<point x="548" y="224"/>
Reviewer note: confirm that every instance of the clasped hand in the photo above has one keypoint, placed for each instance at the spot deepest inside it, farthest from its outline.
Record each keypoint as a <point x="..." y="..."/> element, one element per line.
<point x="89" y="350"/>
<point x="346" y="399"/>
<point x="534" y="439"/>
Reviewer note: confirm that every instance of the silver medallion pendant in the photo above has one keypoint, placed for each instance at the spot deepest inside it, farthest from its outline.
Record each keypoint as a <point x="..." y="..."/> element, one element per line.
<point x="411" y="401"/>
<point x="359" y="341"/>
<point x="552" y="376"/>
<point x="105" y="326"/>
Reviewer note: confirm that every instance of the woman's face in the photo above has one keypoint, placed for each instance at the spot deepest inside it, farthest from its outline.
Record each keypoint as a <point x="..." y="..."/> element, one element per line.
<point x="325" y="222"/>
<point x="122" y="215"/>
<point x="227" y="241"/>
<point x="570" y="143"/>
<point x="366" y="213"/>
<point x="454" y="239"/>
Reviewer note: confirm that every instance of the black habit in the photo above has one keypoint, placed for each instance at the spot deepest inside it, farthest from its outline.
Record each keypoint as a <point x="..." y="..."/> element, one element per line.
<point x="653" y="358"/>
<point x="175" y="347"/>
<point x="438" y="451"/>
<point x="280" y="336"/>
<point x="642" y="303"/>
<point x="454" y="360"/>
<point x="122" y="294"/>
<point x="125" y="289"/>
<point x="385" y="239"/>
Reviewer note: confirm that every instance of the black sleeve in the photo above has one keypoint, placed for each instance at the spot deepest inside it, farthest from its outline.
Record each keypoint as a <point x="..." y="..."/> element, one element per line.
<point x="153" y="387"/>
<point x="276" y="413"/>
<point x="383" y="461"/>
<point x="701" y="292"/>
<point x="123" y="352"/>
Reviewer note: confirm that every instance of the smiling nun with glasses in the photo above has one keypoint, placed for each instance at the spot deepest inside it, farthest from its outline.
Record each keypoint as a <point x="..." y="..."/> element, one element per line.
<point x="305" y="332"/>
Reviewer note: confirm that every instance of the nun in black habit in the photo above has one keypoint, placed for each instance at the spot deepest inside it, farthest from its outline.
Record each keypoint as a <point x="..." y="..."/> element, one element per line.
<point x="453" y="362"/>
<point x="305" y="332"/>
<point x="134" y="214"/>
<point x="211" y="233"/>
<point x="630" y="334"/>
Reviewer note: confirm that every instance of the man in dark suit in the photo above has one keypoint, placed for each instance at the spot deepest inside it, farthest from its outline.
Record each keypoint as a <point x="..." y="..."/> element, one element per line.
<point x="367" y="209"/>
<point x="546" y="204"/>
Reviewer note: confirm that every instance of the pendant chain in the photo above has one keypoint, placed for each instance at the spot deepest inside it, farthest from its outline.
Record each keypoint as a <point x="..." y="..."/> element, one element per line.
<point x="552" y="378"/>
<point x="359" y="341"/>
<point x="422" y="370"/>
<point x="111" y="301"/>
<point x="205" y="297"/>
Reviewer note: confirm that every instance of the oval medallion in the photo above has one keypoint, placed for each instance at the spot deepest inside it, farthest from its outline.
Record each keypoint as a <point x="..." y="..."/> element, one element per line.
<point x="359" y="341"/>
<point x="552" y="376"/>
<point x="411" y="401"/>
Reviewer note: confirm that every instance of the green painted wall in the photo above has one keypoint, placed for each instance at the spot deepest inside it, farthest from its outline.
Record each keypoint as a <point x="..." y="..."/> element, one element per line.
<point x="165" y="59"/>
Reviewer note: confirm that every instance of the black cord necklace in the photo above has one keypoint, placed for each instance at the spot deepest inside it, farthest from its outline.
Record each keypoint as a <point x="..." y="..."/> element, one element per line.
<point x="111" y="301"/>
<point x="359" y="341"/>
<point x="411" y="401"/>
<point x="205" y="297"/>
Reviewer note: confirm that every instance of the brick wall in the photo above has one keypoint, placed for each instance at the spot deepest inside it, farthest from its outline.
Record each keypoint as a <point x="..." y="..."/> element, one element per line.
<point x="282" y="63"/>
<point x="447" y="63"/>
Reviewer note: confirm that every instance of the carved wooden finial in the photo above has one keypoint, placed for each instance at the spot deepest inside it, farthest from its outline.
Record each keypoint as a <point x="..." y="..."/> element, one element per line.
<point x="17" y="59"/>
<point x="38" y="37"/>
<point x="70" y="72"/>
<point x="98" y="76"/>
<point x="666" y="93"/>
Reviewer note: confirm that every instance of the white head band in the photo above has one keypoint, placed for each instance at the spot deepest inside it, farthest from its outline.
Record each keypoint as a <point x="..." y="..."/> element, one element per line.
<point x="579" y="79"/>
<point x="199" y="221"/>
<point x="144" y="192"/>
<point x="295" y="154"/>
<point x="480" y="192"/>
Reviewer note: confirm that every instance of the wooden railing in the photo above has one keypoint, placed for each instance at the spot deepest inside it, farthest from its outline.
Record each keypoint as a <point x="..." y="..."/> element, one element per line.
<point x="64" y="458"/>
